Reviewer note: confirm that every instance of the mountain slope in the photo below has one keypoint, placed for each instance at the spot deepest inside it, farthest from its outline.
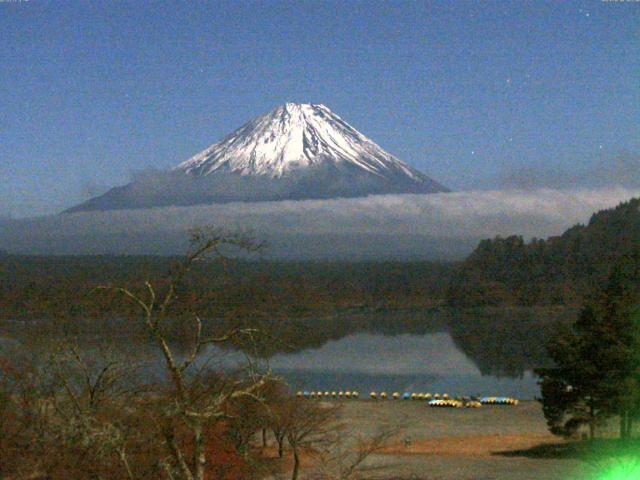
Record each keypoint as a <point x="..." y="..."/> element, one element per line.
<point x="559" y="270"/>
<point x="296" y="151"/>
<point x="291" y="138"/>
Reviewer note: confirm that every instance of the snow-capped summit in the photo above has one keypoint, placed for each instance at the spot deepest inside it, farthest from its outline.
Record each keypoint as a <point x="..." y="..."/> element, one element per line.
<point x="293" y="137"/>
<point x="296" y="151"/>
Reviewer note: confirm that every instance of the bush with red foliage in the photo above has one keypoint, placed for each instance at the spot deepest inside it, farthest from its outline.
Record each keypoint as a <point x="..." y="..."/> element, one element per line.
<point x="224" y="462"/>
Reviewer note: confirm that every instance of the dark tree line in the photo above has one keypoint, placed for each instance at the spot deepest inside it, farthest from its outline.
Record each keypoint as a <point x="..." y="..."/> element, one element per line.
<point x="560" y="270"/>
<point x="33" y="287"/>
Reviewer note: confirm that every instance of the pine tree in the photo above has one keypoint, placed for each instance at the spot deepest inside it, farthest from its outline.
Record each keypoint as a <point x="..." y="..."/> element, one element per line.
<point x="597" y="364"/>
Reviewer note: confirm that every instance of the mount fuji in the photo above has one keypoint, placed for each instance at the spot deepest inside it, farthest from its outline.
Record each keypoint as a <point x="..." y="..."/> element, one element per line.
<point x="296" y="151"/>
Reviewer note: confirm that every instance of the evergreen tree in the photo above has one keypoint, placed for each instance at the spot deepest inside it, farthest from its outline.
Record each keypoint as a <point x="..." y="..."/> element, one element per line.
<point x="597" y="364"/>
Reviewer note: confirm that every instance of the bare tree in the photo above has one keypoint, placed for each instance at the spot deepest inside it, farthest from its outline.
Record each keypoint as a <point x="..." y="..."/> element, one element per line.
<point x="346" y="457"/>
<point x="247" y="417"/>
<point x="277" y="407"/>
<point x="307" y="425"/>
<point x="93" y="393"/>
<point x="193" y="403"/>
<point x="21" y="415"/>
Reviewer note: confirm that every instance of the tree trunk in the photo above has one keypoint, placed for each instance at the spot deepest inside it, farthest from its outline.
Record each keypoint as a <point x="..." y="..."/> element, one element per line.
<point x="199" y="457"/>
<point x="296" y="464"/>
<point x="592" y="423"/>
<point x="280" y="441"/>
<point x="264" y="438"/>
<point x="628" y="426"/>
<point x="123" y="458"/>
<point x="176" y="453"/>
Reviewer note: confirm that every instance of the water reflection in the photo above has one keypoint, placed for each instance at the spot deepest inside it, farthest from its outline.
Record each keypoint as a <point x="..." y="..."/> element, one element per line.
<point x="489" y="351"/>
<point x="414" y="363"/>
<point x="367" y="353"/>
<point x="499" y="342"/>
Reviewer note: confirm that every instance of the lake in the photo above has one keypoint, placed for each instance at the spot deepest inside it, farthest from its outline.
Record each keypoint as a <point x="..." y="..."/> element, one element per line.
<point x="405" y="363"/>
<point x="489" y="352"/>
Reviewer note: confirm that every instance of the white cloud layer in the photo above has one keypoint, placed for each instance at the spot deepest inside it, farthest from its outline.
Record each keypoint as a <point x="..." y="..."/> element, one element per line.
<point x="438" y="217"/>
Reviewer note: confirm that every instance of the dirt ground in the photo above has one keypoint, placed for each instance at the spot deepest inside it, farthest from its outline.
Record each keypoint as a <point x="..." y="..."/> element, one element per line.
<point x="463" y="444"/>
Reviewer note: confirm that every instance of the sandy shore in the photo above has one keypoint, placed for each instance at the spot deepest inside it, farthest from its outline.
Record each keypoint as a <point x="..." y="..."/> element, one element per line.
<point x="465" y="444"/>
<point x="471" y="445"/>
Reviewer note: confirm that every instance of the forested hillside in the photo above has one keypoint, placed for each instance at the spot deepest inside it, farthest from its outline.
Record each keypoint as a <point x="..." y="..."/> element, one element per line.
<point x="503" y="271"/>
<point x="64" y="287"/>
<point x="559" y="270"/>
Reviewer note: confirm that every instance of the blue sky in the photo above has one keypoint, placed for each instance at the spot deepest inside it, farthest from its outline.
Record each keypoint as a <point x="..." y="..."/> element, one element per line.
<point x="469" y="92"/>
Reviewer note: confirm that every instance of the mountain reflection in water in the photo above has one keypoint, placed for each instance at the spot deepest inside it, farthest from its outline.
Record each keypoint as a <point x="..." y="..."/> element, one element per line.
<point x="405" y="363"/>
<point x="489" y="351"/>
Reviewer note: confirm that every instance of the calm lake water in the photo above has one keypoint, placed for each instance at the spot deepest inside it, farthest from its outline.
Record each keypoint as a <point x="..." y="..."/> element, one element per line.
<point x="368" y="362"/>
<point x="490" y="352"/>
<point x="405" y="363"/>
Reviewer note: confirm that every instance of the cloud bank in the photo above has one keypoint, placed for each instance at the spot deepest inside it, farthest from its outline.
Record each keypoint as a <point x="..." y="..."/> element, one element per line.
<point x="397" y="226"/>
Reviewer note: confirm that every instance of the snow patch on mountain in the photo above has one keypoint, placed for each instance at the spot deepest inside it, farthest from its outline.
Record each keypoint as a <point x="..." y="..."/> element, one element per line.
<point x="293" y="137"/>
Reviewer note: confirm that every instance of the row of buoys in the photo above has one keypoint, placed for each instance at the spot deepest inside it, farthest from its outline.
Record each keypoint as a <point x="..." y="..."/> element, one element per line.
<point x="408" y="396"/>
<point x="455" y="403"/>
<point x="498" y="401"/>
<point x="373" y="395"/>
<point x="446" y="403"/>
<point x="328" y="394"/>
<point x="435" y="400"/>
